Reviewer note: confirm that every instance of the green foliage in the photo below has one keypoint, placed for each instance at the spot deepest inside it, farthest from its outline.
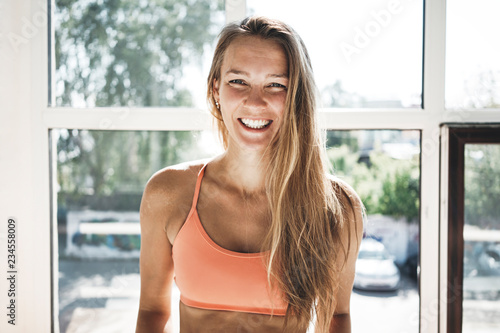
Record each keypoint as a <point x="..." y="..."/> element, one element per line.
<point x="339" y="138"/>
<point x="482" y="185"/>
<point x="125" y="53"/>
<point x="400" y="195"/>
<point x="103" y="163"/>
<point x="385" y="185"/>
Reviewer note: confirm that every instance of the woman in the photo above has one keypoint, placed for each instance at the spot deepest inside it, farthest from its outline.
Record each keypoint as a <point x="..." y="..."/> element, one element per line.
<point x="260" y="238"/>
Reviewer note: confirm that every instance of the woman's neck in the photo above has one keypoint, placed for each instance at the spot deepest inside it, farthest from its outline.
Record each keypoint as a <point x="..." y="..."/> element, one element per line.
<point x="243" y="170"/>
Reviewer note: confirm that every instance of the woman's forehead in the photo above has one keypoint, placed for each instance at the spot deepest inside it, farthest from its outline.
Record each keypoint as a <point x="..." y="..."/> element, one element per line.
<point x="255" y="53"/>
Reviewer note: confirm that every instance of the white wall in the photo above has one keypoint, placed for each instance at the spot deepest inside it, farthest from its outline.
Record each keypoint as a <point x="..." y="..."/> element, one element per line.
<point x="24" y="167"/>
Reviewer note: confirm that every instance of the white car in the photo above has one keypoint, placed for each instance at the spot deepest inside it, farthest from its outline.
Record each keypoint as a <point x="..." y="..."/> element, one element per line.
<point x="375" y="268"/>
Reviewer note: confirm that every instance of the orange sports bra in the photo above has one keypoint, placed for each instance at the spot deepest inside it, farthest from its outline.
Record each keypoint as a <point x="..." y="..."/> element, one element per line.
<point x="214" y="278"/>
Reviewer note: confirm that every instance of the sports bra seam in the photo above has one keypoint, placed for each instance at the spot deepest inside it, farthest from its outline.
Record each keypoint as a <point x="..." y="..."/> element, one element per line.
<point x="247" y="309"/>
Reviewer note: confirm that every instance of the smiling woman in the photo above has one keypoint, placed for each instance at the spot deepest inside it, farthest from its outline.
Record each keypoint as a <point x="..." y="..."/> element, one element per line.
<point x="260" y="237"/>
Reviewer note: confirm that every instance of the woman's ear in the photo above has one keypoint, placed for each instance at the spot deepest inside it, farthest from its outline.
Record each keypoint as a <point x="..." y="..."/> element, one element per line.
<point x="215" y="89"/>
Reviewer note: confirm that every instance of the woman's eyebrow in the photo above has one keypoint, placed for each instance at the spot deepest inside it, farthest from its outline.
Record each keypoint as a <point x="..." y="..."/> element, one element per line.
<point x="284" y="75"/>
<point x="239" y="72"/>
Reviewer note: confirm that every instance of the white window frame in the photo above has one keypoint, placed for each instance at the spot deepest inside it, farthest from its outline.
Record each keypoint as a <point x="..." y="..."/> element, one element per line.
<point x="25" y="183"/>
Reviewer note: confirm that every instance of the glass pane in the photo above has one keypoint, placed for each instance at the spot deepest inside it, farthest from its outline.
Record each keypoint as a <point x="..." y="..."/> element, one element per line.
<point x="101" y="176"/>
<point x="384" y="168"/>
<point x="365" y="53"/>
<point x="472" y="53"/>
<point x="134" y="53"/>
<point x="481" y="294"/>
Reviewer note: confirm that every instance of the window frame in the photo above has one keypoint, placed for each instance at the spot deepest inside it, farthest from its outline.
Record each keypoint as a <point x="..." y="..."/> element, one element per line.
<point x="35" y="116"/>
<point x="458" y="137"/>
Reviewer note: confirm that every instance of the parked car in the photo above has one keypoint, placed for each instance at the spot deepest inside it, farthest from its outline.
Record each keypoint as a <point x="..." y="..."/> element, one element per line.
<point x="481" y="259"/>
<point x="375" y="268"/>
<point x="481" y="270"/>
<point x="412" y="266"/>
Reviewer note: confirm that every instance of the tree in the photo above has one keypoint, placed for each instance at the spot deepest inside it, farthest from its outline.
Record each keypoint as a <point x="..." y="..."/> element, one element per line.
<point x="129" y="53"/>
<point x="385" y="185"/>
<point x="482" y="185"/>
<point x="125" y="53"/>
<point x="400" y="195"/>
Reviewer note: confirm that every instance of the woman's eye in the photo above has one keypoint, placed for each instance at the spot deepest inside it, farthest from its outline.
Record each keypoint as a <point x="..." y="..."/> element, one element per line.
<point x="277" y="85"/>
<point x="237" y="81"/>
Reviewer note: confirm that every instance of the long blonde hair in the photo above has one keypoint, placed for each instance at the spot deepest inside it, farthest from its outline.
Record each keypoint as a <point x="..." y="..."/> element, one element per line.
<point x="307" y="213"/>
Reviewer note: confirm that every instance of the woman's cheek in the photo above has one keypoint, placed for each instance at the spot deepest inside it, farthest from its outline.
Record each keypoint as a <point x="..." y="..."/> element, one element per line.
<point x="235" y="93"/>
<point x="279" y="101"/>
<point x="232" y="98"/>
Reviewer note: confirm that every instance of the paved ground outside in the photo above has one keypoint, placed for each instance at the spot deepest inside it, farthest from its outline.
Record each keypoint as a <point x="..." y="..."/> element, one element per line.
<point x="103" y="296"/>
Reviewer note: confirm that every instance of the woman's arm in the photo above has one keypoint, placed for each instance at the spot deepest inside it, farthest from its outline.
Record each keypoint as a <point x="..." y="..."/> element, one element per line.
<point x="341" y="323"/>
<point x="351" y="233"/>
<point x="156" y="266"/>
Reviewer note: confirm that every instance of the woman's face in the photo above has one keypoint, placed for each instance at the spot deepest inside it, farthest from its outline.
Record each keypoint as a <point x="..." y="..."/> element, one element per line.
<point x="252" y="91"/>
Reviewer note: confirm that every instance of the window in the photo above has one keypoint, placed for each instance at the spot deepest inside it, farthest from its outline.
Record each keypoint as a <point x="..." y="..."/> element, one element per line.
<point x="364" y="53"/>
<point x="472" y="68"/>
<point x="384" y="168"/>
<point x="128" y="53"/>
<point x="473" y="223"/>
<point x="101" y="177"/>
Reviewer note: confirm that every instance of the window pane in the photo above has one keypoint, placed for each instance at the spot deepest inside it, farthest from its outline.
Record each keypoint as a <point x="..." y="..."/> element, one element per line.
<point x="481" y="284"/>
<point x="472" y="53"/>
<point x="365" y="53"/>
<point x="134" y="53"/>
<point x="384" y="168"/>
<point x="101" y="176"/>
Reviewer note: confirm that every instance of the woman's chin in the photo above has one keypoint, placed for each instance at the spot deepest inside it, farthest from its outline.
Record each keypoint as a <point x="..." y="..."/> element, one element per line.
<point x="254" y="145"/>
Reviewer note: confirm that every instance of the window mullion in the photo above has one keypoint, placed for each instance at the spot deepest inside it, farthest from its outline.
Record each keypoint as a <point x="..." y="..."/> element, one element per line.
<point x="433" y="92"/>
<point x="434" y="55"/>
<point x="167" y="119"/>
<point x="175" y="119"/>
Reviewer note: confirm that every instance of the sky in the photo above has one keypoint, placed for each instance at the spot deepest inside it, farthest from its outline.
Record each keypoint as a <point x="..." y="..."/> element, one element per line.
<point x="372" y="46"/>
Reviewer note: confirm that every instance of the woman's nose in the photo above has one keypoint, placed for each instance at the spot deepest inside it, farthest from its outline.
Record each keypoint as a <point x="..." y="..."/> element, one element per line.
<point x="255" y="98"/>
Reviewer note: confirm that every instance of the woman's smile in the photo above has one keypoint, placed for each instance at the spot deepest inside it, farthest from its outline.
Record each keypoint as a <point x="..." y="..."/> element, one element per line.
<point x="257" y="124"/>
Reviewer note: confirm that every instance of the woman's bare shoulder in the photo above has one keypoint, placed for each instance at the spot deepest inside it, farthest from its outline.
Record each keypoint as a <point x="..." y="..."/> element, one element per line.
<point x="170" y="189"/>
<point x="173" y="180"/>
<point x="168" y="197"/>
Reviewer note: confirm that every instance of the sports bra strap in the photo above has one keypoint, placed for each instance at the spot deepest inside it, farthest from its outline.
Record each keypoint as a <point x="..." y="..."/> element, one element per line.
<point x="198" y="186"/>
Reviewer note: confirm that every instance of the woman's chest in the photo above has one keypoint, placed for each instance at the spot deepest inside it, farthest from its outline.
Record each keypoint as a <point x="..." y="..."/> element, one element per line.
<point x="239" y="225"/>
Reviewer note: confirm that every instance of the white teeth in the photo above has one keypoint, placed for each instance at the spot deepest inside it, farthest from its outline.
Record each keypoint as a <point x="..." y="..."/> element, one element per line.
<point x="255" y="123"/>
